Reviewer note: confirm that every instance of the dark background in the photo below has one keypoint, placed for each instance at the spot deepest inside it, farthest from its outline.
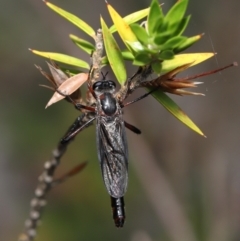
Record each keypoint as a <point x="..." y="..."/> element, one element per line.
<point x="182" y="187"/>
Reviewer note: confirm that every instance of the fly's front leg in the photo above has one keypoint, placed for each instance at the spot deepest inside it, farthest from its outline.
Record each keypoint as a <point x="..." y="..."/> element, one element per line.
<point x="79" y="124"/>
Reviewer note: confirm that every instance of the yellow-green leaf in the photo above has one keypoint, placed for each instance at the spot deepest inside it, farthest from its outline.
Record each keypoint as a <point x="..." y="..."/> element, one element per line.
<point x="114" y="54"/>
<point x="157" y="67"/>
<point x="174" y="109"/>
<point x="176" y="13"/>
<point x="182" y="59"/>
<point x="155" y="18"/>
<point x="140" y="33"/>
<point x="73" y="19"/>
<point x="124" y="30"/>
<point x="132" y="18"/>
<point x="66" y="59"/>
<point x="125" y="54"/>
<point x="83" y="44"/>
<point x="188" y="43"/>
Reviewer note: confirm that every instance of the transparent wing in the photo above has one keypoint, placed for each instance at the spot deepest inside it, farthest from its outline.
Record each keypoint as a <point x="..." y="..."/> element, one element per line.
<point x="113" y="155"/>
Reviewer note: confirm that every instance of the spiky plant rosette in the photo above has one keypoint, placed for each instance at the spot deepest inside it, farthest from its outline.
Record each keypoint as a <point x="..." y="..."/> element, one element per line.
<point x="152" y="45"/>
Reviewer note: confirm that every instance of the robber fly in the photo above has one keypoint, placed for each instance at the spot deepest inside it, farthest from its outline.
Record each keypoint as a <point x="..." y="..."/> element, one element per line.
<point x="111" y="141"/>
<point x="112" y="146"/>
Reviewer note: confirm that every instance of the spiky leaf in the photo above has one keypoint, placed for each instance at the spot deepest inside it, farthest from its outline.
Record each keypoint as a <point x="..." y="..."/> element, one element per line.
<point x="63" y="58"/>
<point x="174" y="42"/>
<point x="157" y="67"/>
<point x="132" y="18"/>
<point x="73" y="19"/>
<point x="140" y="33"/>
<point x="174" y="109"/>
<point x="182" y="59"/>
<point x="141" y="59"/>
<point x="176" y="13"/>
<point x="166" y="54"/>
<point x="180" y="28"/>
<point x="124" y="31"/>
<point x="83" y="44"/>
<point x="114" y="54"/>
<point x="125" y="54"/>
<point x="155" y="18"/>
<point x="188" y="43"/>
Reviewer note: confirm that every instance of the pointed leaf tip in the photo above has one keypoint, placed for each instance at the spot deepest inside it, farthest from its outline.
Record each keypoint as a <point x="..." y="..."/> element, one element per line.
<point x="63" y="58"/>
<point x="73" y="19"/>
<point x="114" y="54"/>
<point x="124" y="30"/>
<point x="174" y="109"/>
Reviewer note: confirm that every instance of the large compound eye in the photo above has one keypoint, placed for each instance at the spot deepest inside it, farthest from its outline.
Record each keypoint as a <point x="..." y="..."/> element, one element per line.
<point x="97" y="85"/>
<point x="104" y="85"/>
<point x="111" y="84"/>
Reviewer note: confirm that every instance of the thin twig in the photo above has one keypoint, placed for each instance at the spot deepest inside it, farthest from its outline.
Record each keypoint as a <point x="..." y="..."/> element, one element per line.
<point x="96" y="62"/>
<point x="44" y="186"/>
<point x="46" y="180"/>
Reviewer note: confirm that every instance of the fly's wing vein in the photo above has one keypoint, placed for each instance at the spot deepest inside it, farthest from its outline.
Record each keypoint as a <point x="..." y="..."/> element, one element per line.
<point x="113" y="154"/>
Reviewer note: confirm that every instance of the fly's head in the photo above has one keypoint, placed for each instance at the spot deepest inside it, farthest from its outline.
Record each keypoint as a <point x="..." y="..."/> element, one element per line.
<point x="104" y="86"/>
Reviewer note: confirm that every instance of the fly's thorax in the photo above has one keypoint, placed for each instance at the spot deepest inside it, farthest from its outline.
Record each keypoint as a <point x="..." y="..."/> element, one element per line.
<point x="107" y="103"/>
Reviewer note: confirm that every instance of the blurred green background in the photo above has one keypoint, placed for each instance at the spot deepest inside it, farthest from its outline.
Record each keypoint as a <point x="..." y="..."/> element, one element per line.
<point x="182" y="187"/>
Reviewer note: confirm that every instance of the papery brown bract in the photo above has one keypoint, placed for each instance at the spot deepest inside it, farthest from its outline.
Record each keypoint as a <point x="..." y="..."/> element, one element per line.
<point x="68" y="87"/>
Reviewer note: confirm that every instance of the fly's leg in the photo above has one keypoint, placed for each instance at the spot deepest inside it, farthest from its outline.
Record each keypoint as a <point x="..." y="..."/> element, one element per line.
<point x="132" y="128"/>
<point x="129" y="126"/>
<point x="140" y="98"/>
<point x="79" y="124"/>
<point x="78" y="106"/>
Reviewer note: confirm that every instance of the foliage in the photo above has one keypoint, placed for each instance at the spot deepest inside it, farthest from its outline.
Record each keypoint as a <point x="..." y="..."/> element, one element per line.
<point x="153" y="44"/>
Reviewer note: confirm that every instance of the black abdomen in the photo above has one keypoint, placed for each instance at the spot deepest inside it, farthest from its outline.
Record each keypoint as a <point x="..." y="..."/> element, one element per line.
<point x="118" y="211"/>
